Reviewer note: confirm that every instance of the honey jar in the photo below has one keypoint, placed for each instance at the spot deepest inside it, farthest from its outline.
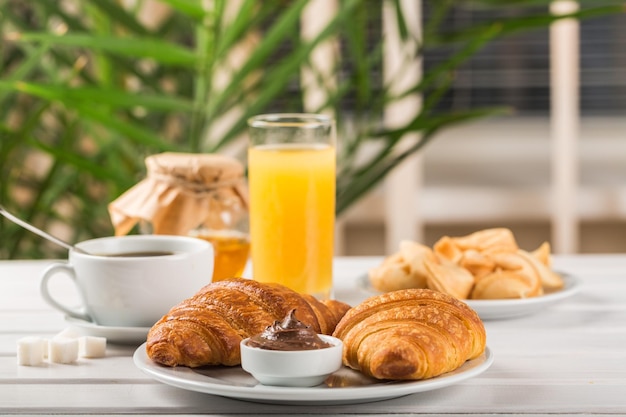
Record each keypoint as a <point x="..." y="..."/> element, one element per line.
<point x="200" y="195"/>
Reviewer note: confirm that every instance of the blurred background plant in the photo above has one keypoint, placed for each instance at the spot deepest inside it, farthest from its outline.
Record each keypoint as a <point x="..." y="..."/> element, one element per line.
<point x="89" y="88"/>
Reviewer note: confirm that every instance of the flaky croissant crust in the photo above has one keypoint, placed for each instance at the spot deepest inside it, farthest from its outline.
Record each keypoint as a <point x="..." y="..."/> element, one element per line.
<point x="410" y="334"/>
<point x="206" y="329"/>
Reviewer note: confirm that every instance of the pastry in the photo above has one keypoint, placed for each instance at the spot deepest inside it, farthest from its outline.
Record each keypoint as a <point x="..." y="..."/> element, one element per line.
<point x="405" y="269"/>
<point x="477" y="263"/>
<point x="410" y="334"/>
<point x="550" y="280"/>
<point x="514" y="276"/>
<point x="417" y="255"/>
<point x="206" y="329"/>
<point x="486" y="241"/>
<point x="394" y="273"/>
<point x="450" y="278"/>
<point x="503" y="284"/>
<point x="542" y="253"/>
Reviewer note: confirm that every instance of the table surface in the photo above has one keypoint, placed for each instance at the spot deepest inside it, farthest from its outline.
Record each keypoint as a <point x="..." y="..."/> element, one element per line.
<point x="569" y="358"/>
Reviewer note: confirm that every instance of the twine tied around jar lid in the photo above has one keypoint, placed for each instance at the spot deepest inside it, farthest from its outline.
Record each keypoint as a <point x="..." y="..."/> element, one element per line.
<point x="181" y="192"/>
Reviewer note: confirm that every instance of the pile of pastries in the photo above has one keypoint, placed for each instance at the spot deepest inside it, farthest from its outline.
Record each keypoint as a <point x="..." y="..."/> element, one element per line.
<point x="487" y="264"/>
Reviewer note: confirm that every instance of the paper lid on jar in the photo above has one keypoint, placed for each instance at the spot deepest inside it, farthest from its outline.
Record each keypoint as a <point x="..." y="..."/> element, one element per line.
<point x="180" y="192"/>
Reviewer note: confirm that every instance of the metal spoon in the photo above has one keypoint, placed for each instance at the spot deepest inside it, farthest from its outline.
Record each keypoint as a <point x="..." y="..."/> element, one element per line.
<point x="40" y="232"/>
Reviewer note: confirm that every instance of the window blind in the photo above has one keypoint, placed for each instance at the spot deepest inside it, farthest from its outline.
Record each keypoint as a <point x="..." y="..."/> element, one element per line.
<point x="514" y="71"/>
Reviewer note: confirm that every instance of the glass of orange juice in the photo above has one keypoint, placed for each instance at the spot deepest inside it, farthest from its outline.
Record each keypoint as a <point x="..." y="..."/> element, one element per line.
<point x="291" y="177"/>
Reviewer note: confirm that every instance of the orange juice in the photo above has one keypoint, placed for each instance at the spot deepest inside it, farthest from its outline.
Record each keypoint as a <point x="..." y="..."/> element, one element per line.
<point x="292" y="215"/>
<point x="231" y="250"/>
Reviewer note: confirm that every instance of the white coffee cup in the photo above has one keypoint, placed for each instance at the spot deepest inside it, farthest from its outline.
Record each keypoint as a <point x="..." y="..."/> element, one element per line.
<point x="132" y="281"/>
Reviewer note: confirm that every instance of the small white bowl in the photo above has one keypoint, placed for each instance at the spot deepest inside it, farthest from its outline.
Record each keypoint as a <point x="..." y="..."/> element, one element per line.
<point x="293" y="368"/>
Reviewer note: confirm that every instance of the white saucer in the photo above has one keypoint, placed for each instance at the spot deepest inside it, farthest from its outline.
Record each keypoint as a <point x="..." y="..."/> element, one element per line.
<point x="122" y="335"/>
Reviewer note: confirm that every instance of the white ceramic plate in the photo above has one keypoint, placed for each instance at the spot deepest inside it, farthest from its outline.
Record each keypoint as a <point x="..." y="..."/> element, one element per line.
<point x="343" y="387"/>
<point x="121" y="335"/>
<point x="505" y="309"/>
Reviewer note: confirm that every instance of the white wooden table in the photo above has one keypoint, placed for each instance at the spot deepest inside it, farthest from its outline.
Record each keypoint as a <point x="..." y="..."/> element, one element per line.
<point x="568" y="359"/>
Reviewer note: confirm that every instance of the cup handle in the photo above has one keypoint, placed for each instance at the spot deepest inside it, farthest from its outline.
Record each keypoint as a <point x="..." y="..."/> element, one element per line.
<point x="45" y="293"/>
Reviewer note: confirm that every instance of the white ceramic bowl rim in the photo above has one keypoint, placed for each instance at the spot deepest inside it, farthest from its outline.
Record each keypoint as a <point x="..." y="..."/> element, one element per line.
<point x="327" y="338"/>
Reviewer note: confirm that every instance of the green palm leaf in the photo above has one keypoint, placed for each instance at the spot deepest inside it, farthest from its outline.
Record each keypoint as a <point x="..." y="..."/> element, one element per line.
<point x="92" y="94"/>
<point x="136" y="47"/>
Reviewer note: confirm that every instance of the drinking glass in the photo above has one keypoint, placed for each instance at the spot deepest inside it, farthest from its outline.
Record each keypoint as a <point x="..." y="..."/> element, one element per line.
<point x="291" y="176"/>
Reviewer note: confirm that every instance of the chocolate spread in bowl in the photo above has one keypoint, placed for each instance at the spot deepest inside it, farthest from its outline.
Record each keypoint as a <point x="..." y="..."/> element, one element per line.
<point x="290" y="334"/>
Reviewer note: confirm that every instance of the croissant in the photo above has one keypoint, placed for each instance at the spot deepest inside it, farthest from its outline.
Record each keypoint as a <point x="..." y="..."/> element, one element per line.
<point x="410" y="334"/>
<point x="206" y="329"/>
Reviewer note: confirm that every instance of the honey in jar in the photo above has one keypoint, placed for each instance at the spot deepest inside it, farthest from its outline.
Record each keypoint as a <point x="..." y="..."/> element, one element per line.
<point x="231" y="251"/>
<point x="200" y="195"/>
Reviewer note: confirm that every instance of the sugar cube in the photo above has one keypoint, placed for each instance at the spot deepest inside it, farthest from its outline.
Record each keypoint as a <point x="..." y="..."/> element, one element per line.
<point x="92" y="346"/>
<point x="30" y="351"/>
<point x="63" y="350"/>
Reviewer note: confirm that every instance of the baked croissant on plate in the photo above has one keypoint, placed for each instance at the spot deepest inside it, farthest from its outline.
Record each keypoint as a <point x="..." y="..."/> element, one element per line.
<point x="410" y="334"/>
<point x="206" y="329"/>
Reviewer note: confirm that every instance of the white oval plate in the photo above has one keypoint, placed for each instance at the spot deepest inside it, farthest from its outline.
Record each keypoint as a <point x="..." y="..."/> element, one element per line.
<point x="113" y="334"/>
<point x="505" y="309"/>
<point x="343" y="387"/>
